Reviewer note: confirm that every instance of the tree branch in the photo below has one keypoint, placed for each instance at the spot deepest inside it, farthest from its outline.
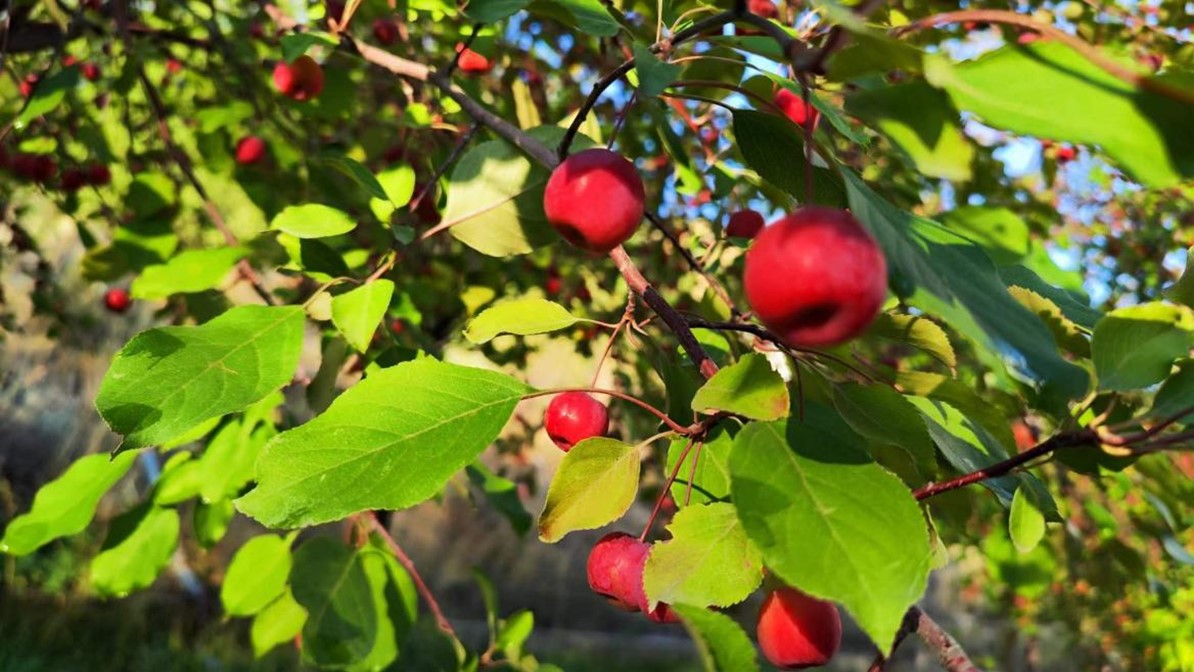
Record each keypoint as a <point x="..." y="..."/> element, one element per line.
<point x="949" y="652"/>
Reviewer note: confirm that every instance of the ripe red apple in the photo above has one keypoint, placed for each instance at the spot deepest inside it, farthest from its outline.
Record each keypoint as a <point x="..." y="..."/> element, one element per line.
<point x="29" y="84"/>
<point x="34" y="167"/>
<point x="816" y="277"/>
<point x="98" y="175"/>
<point x="745" y="224"/>
<point x="91" y="71"/>
<point x="594" y="199"/>
<point x="764" y="8"/>
<point x="117" y="300"/>
<point x="73" y="179"/>
<point x="301" y="80"/>
<point x="793" y="107"/>
<point x="250" y="150"/>
<point x="615" y="571"/>
<point x="573" y="417"/>
<point x="385" y="31"/>
<point x="472" y="63"/>
<point x="798" y="631"/>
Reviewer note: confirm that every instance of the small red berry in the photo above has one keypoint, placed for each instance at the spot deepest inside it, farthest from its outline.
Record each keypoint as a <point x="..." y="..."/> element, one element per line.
<point x="301" y="80"/>
<point x="117" y="300"/>
<point x="472" y="63"/>
<point x="798" y="631"/>
<point x="793" y="107"/>
<point x="73" y="179"/>
<point x="1066" y="154"/>
<point x="764" y="8"/>
<point x="595" y="199"/>
<point x="250" y="150"/>
<point x="29" y="84"/>
<point x="745" y="224"/>
<point x="98" y="175"/>
<point x="91" y="71"/>
<point x="573" y="417"/>
<point x="385" y="31"/>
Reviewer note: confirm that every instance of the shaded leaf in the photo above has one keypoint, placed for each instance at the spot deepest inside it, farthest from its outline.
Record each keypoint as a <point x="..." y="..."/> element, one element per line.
<point x="595" y="485"/>
<point x="721" y="643"/>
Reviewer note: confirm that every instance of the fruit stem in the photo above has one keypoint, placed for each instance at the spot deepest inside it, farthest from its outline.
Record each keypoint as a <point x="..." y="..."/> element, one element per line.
<point x="667" y="487"/>
<point x="370" y="519"/>
<point x="663" y="417"/>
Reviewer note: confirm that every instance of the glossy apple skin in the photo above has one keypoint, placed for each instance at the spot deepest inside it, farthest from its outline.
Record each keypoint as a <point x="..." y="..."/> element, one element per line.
<point x="816" y="278"/>
<point x="385" y="31"/>
<point x="573" y="417"/>
<point x="301" y="80"/>
<point x="794" y="108"/>
<point x="117" y="300"/>
<point x="250" y="150"/>
<point x="764" y="8"/>
<point x="472" y="63"/>
<point x="745" y="224"/>
<point x="594" y="199"/>
<point x="797" y="631"/>
<point x="615" y="571"/>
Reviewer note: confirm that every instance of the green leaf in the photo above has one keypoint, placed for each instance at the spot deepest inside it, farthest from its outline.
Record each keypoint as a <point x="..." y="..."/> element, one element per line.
<point x="1048" y="90"/>
<point x="354" y="170"/>
<point x="1182" y="291"/>
<point x="358" y="313"/>
<point x="520" y="317"/>
<point x="1176" y="394"/>
<point x="721" y="644"/>
<point x="502" y="493"/>
<point x="328" y="579"/>
<point x="187" y="273"/>
<point x="491" y="11"/>
<point x="918" y="332"/>
<point x="495" y="197"/>
<point x="230" y="457"/>
<point x="709" y="560"/>
<point x="1135" y="347"/>
<point x="278" y="623"/>
<point x="257" y="575"/>
<point x="595" y="484"/>
<point x="794" y="482"/>
<point x="398" y="183"/>
<point x="590" y="17"/>
<point x="968" y="447"/>
<point x="139" y="546"/>
<point x="514" y="633"/>
<point x="772" y="146"/>
<point x="65" y="505"/>
<point x="1001" y="232"/>
<point x="711" y="480"/>
<point x="211" y="521"/>
<point x="408" y="427"/>
<point x="654" y="76"/>
<point x="47" y="96"/>
<point x="885" y="416"/>
<point x="178" y="482"/>
<point x="749" y="387"/>
<point x="921" y="123"/>
<point x="312" y="220"/>
<point x="951" y="277"/>
<point x="167" y="380"/>
<point x="297" y="44"/>
<point x="869" y="53"/>
<point x="217" y="117"/>
<point x="1026" y="524"/>
<point x="1068" y="335"/>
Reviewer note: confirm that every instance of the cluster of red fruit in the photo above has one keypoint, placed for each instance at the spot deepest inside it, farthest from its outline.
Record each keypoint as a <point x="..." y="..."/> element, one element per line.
<point x="815" y="278"/>
<point x="795" y="630"/>
<point x="42" y="168"/>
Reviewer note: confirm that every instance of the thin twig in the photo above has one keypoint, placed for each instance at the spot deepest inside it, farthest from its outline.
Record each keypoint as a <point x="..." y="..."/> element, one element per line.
<point x="666" y="488"/>
<point x="409" y="565"/>
<point x="713" y="283"/>
<point x="1089" y="51"/>
<point x="949" y="652"/>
